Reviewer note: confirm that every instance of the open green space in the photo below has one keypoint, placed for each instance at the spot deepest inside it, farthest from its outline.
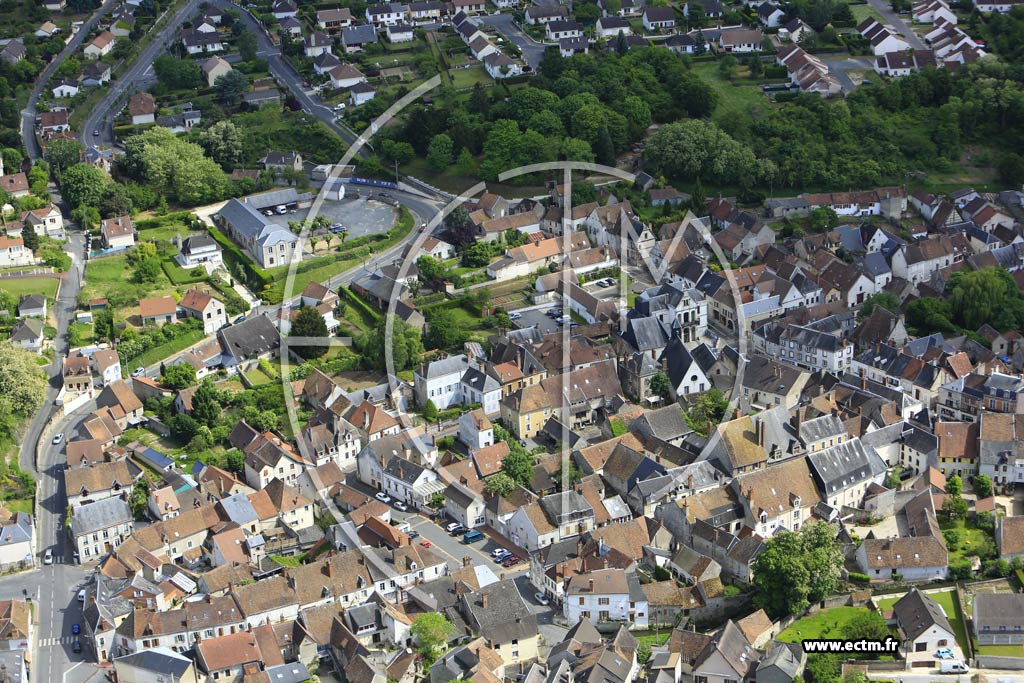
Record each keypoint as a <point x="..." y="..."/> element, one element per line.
<point x="653" y="638"/>
<point x="1000" y="650"/>
<point x="736" y="96"/>
<point x="164" y="351"/>
<point x="828" y="623"/>
<point x="973" y="541"/>
<point x="951" y="606"/>
<point x="466" y="78"/>
<point x="19" y="286"/>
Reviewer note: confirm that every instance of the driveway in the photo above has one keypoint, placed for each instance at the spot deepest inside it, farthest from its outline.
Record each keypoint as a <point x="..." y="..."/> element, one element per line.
<point x="840" y="67"/>
<point x="532" y="51"/>
<point x="884" y="8"/>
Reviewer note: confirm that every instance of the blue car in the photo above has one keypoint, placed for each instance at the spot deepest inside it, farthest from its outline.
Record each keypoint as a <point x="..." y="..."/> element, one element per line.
<point x="944" y="653"/>
<point x="76" y="629"/>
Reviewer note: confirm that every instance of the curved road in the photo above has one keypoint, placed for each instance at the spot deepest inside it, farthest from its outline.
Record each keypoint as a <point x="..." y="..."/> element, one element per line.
<point x="99" y="118"/>
<point x="28" y="114"/>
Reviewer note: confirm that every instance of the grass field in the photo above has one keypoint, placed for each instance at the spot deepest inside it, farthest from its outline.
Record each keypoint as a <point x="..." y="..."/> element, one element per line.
<point x="653" y="638"/>
<point x="17" y="286"/>
<point x="467" y="78"/>
<point x="975" y="541"/>
<point x="1001" y="650"/>
<point x="164" y="351"/>
<point x="862" y="12"/>
<point x="734" y="97"/>
<point x="827" y="623"/>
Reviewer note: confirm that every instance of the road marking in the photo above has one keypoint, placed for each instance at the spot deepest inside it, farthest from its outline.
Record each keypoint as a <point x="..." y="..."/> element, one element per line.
<point x="50" y="642"/>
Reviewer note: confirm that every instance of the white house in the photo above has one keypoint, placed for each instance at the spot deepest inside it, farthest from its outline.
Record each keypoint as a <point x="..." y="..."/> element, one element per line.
<point x="66" y="87"/>
<point x="440" y="382"/>
<point x="922" y="623"/>
<point x="659" y="18"/>
<point x="203" y="306"/>
<point x="605" y="595"/>
<point x="476" y="430"/>
<point x="199" y="250"/>
<point x="14" y="253"/>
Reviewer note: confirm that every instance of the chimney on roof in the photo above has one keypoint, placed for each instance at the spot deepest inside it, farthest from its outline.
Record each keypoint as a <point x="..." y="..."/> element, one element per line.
<point x="483" y="600"/>
<point x="689" y="482"/>
<point x="463" y="480"/>
<point x="466" y="561"/>
<point x="737" y="414"/>
<point x="579" y="547"/>
<point x="759" y="431"/>
<point x="382" y="460"/>
<point x="590" y="583"/>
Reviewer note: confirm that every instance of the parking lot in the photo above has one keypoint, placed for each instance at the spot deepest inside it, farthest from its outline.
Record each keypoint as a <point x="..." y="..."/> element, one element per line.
<point x="362" y="216"/>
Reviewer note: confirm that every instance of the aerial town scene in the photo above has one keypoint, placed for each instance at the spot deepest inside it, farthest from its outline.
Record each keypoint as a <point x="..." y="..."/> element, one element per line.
<point x="512" y="341"/>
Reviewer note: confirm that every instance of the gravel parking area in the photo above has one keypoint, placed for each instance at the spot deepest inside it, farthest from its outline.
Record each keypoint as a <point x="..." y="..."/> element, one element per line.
<point x="361" y="216"/>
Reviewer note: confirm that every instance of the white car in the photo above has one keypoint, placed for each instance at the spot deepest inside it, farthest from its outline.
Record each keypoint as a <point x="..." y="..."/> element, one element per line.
<point x="81" y="595"/>
<point x="400" y="506"/>
<point x="48" y="556"/>
<point x="515" y="316"/>
<point x="57" y="438"/>
<point x="499" y="553"/>
<point x="541" y="598"/>
<point x="452" y="527"/>
<point x="383" y="497"/>
<point x="138" y="372"/>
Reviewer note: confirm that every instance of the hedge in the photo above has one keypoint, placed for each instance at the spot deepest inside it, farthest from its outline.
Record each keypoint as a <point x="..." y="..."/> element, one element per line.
<point x="178" y="275"/>
<point x="859" y="578"/>
<point x="247" y="271"/>
<point x="357" y="301"/>
<point x="233" y="303"/>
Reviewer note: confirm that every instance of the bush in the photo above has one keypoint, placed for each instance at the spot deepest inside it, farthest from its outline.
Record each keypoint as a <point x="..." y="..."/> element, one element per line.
<point x="857" y="577"/>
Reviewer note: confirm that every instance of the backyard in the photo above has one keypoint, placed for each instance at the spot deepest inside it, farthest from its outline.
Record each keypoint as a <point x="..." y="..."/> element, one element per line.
<point x="947" y="600"/>
<point x="827" y="623"/>
<point x="18" y="286"/>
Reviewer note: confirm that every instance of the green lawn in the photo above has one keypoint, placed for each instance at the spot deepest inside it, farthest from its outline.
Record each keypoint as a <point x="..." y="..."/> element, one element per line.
<point x="975" y="541"/>
<point x="862" y="12"/>
<point x="17" y="286"/>
<point x="653" y="638"/>
<point x="827" y="623"/>
<point x="736" y="96"/>
<point x="466" y="78"/>
<point x="950" y="605"/>
<point x="168" y="349"/>
<point x="1000" y="650"/>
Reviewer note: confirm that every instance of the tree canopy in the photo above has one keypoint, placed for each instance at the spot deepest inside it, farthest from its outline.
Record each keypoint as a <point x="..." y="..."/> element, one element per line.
<point x="797" y="568"/>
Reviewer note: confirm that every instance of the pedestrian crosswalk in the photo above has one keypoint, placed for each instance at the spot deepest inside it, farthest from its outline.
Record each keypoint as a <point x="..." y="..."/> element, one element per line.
<point x="50" y="642"/>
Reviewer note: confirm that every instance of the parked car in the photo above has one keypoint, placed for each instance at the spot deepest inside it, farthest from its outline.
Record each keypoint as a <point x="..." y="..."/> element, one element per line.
<point x="425" y="543"/>
<point x="48" y="557"/>
<point x="412" y="534"/>
<point x="138" y="372"/>
<point x="58" y="437"/>
<point x="383" y="497"/>
<point x="541" y="598"/>
<point x="76" y="629"/>
<point x="499" y="552"/>
<point x="472" y="537"/>
<point x="944" y="653"/>
<point x="510" y="561"/>
<point x="81" y="595"/>
<point x="515" y="316"/>
<point x="452" y="527"/>
<point x="77" y="646"/>
<point x="399" y="505"/>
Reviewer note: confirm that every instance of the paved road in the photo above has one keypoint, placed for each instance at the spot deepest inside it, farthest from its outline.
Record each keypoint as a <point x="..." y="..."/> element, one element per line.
<point x="100" y="118"/>
<point x="28" y="114"/>
<point x="884" y="8"/>
<point x="532" y="51"/>
<point x="64" y="310"/>
<point x="285" y="74"/>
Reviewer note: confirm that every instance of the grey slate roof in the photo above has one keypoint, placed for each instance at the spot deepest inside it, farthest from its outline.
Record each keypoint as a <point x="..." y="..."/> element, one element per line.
<point x="239" y="510"/>
<point x="915" y="613"/>
<point x="249" y="338"/>
<point x="506" y="616"/>
<point x="844" y="465"/>
<point x="446" y="366"/>
<point x="100" y="515"/>
<point x="157" y="660"/>
<point x="358" y="35"/>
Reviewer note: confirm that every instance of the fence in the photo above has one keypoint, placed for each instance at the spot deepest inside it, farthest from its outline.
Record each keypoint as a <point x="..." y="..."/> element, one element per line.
<point x="994" y="662"/>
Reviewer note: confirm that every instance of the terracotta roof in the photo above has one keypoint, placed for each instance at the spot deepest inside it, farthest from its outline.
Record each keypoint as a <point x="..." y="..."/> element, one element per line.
<point x="159" y="306"/>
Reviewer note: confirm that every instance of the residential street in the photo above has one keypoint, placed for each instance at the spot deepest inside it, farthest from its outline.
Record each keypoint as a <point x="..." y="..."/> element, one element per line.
<point x="532" y="51"/>
<point x="28" y="114"/>
<point x="65" y="307"/>
<point x="840" y="67"/>
<point x="884" y="8"/>
<point x="101" y="117"/>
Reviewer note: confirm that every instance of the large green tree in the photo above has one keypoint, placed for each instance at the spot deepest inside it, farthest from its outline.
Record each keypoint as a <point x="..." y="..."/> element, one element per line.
<point x="22" y="382"/>
<point x="431" y="631"/>
<point x="62" y="154"/>
<point x="309" y="322"/>
<point x="797" y="568"/>
<point x="83" y="185"/>
<point x="444" y="331"/>
<point x="206" y="409"/>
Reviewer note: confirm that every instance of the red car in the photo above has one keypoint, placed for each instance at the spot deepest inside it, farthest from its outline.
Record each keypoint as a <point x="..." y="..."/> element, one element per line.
<point x="510" y="561"/>
<point x="425" y="543"/>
